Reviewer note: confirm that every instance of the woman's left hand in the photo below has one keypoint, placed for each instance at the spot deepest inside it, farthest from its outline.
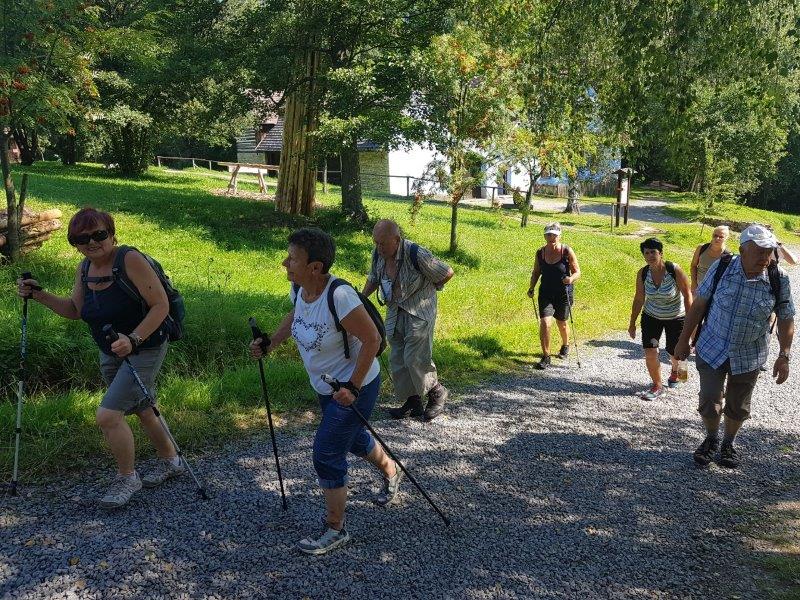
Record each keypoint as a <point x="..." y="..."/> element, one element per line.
<point x="344" y="397"/>
<point x="122" y="347"/>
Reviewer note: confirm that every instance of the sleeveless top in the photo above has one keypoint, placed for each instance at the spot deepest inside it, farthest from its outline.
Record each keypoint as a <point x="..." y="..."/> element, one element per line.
<point x="664" y="302"/>
<point x="113" y="306"/>
<point x="704" y="263"/>
<point x="553" y="274"/>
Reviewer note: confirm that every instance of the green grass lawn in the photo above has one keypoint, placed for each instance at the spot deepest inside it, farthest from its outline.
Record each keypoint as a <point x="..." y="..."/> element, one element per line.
<point x="224" y="254"/>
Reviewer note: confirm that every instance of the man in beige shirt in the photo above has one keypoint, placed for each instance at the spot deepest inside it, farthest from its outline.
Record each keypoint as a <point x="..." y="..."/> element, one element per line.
<point x="407" y="277"/>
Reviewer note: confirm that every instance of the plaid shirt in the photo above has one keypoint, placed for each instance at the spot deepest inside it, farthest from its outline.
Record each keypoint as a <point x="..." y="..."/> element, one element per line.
<point x="737" y="328"/>
<point x="413" y="291"/>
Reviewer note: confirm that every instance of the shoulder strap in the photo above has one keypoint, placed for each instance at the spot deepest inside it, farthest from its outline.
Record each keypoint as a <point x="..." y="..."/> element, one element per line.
<point x="121" y="277"/>
<point x="336" y="283"/>
<point x="724" y="261"/>
<point x="414" y="253"/>
<point x="670" y="268"/>
<point x="774" y="275"/>
<point x="704" y="247"/>
<point x="84" y="270"/>
<point x="296" y="290"/>
<point x="643" y="273"/>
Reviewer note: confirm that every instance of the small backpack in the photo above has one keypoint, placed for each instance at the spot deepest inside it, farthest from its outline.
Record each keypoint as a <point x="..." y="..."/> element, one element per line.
<point x="670" y="269"/>
<point x="173" y="324"/>
<point x="373" y="313"/>
<point x="774" y="286"/>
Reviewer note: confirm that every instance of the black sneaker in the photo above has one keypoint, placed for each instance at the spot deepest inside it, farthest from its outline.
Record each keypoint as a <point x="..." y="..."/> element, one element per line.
<point x="412" y="408"/>
<point x="564" y="352"/>
<point x="437" y="396"/>
<point x="705" y="453"/>
<point x="728" y="456"/>
<point x="544" y="363"/>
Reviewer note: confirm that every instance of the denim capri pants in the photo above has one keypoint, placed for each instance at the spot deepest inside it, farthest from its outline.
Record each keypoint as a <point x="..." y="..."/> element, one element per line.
<point x="340" y="432"/>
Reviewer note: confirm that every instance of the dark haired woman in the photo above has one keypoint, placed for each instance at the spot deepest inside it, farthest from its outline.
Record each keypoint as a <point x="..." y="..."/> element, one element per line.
<point x="322" y="348"/>
<point x="98" y="299"/>
<point x="663" y="290"/>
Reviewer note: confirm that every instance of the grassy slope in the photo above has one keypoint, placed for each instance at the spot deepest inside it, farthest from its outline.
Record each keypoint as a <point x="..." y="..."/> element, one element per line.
<point x="224" y="254"/>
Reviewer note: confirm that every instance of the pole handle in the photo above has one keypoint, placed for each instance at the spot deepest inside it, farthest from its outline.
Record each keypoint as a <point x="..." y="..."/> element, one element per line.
<point x="110" y="334"/>
<point x="257" y="333"/>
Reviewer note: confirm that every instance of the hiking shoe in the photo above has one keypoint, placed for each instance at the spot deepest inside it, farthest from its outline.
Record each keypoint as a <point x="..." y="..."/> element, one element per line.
<point x="728" y="456"/>
<point x="327" y="541"/>
<point x="391" y="487"/>
<point x="544" y="363"/>
<point x="564" y="352"/>
<point x="411" y="408"/>
<point x="436" y="399"/>
<point x="121" y="490"/>
<point x="654" y="393"/>
<point x="705" y="452"/>
<point x="161" y="471"/>
<point x="673" y="380"/>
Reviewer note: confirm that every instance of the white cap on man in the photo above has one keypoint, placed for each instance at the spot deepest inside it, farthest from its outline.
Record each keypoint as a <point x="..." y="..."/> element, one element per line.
<point x="552" y="228"/>
<point x="759" y="234"/>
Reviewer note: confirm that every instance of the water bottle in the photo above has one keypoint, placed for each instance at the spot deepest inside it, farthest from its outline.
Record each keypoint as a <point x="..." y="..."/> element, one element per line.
<point x="683" y="370"/>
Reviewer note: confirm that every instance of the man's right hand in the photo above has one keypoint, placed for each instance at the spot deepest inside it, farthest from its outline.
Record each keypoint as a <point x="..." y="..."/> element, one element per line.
<point x="255" y="348"/>
<point x="682" y="349"/>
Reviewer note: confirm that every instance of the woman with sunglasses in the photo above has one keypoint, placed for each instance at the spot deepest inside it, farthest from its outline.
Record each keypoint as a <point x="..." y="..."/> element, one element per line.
<point x="98" y="299"/>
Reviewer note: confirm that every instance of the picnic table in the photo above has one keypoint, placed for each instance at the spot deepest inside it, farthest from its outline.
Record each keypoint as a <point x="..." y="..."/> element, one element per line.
<point x="233" y="184"/>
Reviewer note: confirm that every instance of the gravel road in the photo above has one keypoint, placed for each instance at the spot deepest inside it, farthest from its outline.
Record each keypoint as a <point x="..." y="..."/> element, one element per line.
<point x="560" y="484"/>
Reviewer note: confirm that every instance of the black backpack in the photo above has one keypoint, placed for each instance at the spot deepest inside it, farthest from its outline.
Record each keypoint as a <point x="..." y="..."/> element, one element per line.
<point x="774" y="286"/>
<point x="413" y="253"/>
<point x="371" y="311"/>
<point x="670" y="269"/>
<point x="705" y="246"/>
<point x="173" y="324"/>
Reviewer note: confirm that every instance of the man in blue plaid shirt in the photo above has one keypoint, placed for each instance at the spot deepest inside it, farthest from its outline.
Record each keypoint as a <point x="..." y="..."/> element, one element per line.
<point x="733" y="342"/>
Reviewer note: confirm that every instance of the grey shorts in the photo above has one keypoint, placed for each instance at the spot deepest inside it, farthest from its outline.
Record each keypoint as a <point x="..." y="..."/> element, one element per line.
<point x="123" y="393"/>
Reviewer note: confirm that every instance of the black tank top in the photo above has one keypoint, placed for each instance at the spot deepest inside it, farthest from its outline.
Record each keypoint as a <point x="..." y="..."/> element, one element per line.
<point x="113" y="306"/>
<point x="552" y="275"/>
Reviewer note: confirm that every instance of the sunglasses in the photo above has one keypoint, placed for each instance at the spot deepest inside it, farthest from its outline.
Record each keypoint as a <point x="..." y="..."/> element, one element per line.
<point x="84" y="238"/>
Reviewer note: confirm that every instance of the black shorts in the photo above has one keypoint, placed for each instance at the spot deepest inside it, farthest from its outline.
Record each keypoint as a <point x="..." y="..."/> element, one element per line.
<point x="652" y="328"/>
<point x="553" y="305"/>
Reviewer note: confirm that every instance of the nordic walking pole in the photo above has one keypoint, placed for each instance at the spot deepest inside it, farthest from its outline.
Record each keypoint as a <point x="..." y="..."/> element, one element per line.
<point x="112" y="336"/>
<point x="335" y="384"/>
<point x="570" y="297"/>
<point x="23" y="351"/>
<point x="265" y="342"/>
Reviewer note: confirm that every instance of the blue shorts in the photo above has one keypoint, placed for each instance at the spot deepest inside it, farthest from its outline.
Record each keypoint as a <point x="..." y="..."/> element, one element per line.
<point x="340" y="432"/>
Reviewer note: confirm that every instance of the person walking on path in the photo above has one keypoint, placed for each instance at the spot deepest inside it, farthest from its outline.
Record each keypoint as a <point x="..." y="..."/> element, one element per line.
<point x="663" y="291"/>
<point x="558" y="268"/>
<point x="322" y="348"/>
<point x="707" y="254"/>
<point x="406" y="277"/>
<point x="736" y="300"/>
<point x="98" y="298"/>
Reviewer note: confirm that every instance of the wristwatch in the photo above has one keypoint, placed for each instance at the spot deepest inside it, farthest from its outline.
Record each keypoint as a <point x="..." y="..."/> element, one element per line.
<point x="136" y="339"/>
<point x="783" y="354"/>
<point x="353" y="389"/>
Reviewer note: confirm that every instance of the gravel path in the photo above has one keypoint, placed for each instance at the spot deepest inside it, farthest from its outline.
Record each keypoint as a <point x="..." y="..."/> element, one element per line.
<point x="560" y="485"/>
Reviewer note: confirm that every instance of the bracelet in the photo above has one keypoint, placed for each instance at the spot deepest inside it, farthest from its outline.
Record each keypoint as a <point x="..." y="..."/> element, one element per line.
<point x="352" y="387"/>
<point x="783" y="354"/>
<point x="136" y="339"/>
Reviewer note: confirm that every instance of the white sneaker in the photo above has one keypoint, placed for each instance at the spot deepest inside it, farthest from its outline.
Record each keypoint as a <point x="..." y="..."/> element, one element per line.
<point x="161" y="471"/>
<point x="121" y="490"/>
<point x="327" y="541"/>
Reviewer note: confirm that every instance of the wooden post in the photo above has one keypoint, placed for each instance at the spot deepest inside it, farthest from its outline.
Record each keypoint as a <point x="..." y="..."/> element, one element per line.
<point x="194" y="166"/>
<point x="494" y="189"/>
<point x="233" y="184"/>
<point x="262" y="186"/>
<point x="408" y="186"/>
<point x="158" y="159"/>
<point x="209" y="165"/>
<point x="325" y="177"/>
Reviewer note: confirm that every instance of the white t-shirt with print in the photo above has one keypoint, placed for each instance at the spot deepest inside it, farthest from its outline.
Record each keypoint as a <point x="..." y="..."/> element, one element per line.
<point x="320" y="345"/>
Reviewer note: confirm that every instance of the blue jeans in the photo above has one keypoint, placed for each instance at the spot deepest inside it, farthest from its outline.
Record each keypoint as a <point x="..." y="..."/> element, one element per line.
<point x="340" y="432"/>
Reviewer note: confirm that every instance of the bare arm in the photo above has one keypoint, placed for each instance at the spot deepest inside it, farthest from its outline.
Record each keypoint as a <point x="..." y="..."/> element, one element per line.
<point x="448" y="276"/>
<point x="534" y="275"/>
<point x="785" y="337"/>
<point x="69" y="307"/>
<point x="690" y="323"/>
<point x="684" y="287"/>
<point x="359" y="324"/>
<point x="638" y="303"/>
<point x="693" y="269"/>
<point x="149" y="286"/>
<point x="573" y="267"/>
<point x="369" y="288"/>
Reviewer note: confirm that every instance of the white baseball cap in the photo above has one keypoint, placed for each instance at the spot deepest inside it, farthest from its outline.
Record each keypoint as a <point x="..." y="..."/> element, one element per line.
<point x="552" y="228"/>
<point x="759" y="234"/>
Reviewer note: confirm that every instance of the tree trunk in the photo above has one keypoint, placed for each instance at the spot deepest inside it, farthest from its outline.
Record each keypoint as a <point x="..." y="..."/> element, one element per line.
<point x="12" y="247"/>
<point x="297" y="175"/>
<point x="352" y="202"/>
<point x="28" y="145"/>
<point x="573" y="197"/>
<point x="454" y="222"/>
<point x="528" y="202"/>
